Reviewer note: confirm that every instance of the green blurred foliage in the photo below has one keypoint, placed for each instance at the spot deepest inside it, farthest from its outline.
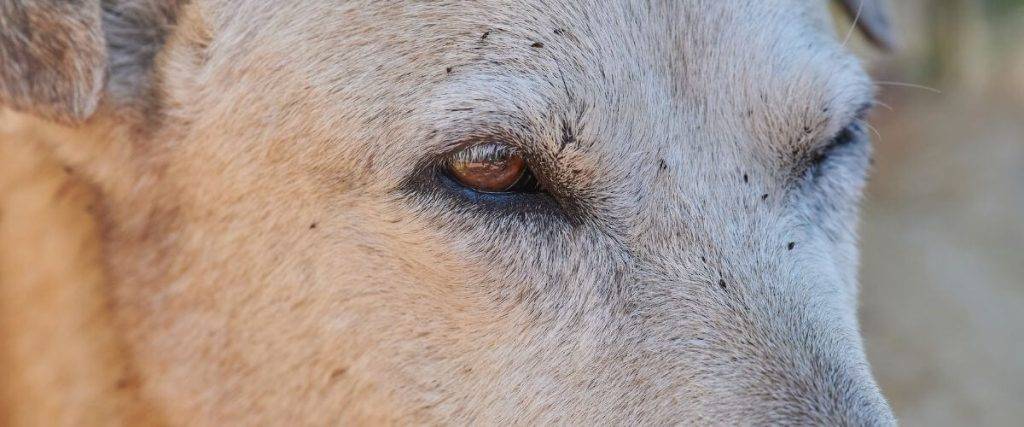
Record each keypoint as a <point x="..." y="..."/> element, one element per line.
<point x="1002" y="6"/>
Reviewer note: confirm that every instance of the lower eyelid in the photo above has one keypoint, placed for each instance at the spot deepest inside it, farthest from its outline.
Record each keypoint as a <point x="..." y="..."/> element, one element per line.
<point x="525" y="203"/>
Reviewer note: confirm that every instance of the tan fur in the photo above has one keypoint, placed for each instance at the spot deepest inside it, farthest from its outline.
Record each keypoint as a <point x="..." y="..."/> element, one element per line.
<point x="63" y="363"/>
<point x="276" y="252"/>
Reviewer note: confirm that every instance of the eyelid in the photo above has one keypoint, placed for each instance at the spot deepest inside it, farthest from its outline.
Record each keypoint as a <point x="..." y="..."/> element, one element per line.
<point x="853" y="129"/>
<point x="847" y="139"/>
<point x="859" y="120"/>
<point x="849" y="134"/>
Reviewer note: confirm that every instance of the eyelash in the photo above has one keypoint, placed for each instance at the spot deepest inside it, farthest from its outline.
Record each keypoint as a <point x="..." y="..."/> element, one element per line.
<point x="481" y="152"/>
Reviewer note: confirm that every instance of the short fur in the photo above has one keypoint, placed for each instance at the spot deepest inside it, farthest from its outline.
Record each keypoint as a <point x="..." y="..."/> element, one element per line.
<point x="279" y="251"/>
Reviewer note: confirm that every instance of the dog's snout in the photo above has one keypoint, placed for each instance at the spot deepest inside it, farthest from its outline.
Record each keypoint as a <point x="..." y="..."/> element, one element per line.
<point x="840" y="397"/>
<point x="760" y="350"/>
<point x="769" y="381"/>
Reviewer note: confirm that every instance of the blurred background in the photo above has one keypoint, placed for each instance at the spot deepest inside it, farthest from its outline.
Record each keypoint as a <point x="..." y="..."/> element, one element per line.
<point x="943" y="226"/>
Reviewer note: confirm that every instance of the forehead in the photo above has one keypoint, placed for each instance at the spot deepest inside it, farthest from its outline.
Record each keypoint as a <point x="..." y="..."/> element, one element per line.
<point x="764" y="67"/>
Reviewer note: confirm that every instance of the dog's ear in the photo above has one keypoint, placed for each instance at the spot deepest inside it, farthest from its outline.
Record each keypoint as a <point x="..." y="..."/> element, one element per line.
<point x="872" y="17"/>
<point x="53" y="58"/>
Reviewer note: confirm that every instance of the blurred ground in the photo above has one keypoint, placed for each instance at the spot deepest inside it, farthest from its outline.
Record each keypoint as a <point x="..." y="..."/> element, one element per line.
<point x="943" y="227"/>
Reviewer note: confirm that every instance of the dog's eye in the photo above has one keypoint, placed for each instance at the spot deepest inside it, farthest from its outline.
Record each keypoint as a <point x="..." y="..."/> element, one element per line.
<point x="850" y="148"/>
<point x="492" y="168"/>
<point x="849" y="136"/>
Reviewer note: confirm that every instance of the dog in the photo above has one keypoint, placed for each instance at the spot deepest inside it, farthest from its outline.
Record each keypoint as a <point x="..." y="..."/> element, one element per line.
<point x="496" y="212"/>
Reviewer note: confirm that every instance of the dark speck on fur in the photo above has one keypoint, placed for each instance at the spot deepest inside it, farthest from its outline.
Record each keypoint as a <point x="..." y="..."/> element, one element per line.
<point x="335" y="374"/>
<point x="484" y="36"/>
<point x="312" y="226"/>
<point x="537" y="45"/>
<point x="721" y="283"/>
<point x="791" y="245"/>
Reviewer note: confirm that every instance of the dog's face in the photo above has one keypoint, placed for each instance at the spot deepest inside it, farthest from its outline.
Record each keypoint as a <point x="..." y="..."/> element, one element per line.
<point x="532" y="212"/>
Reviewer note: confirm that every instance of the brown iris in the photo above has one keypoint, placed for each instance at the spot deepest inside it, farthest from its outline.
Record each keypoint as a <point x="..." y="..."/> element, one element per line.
<point x="490" y="168"/>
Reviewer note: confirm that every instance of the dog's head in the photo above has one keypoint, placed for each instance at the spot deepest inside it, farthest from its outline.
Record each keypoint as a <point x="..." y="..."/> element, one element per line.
<point x="497" y="211"/>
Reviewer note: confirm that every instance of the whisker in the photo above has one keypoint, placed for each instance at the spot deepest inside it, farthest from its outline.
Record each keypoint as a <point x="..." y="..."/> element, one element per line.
<point x="884" y="105"/>
<point x="872" y="128"/>
<point x="853" y="26"/>
<point x="909" y="85"/>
